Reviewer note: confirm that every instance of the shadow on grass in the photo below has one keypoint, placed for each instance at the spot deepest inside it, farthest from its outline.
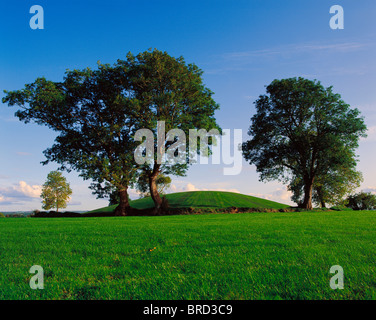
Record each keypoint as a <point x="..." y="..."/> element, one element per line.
<point x="169" y="212"/>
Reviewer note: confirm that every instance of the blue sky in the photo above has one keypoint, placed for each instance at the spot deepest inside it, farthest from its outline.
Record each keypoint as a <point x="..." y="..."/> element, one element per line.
<point x="240" y="45"/>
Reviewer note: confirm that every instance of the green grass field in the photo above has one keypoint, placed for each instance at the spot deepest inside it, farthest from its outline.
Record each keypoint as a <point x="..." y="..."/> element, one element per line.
<point x="204" y="199"/>
<point x="213" y="256"/>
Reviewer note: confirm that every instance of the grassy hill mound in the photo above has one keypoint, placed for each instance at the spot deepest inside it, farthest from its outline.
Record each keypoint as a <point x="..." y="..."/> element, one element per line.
<point x="204" y="200"/>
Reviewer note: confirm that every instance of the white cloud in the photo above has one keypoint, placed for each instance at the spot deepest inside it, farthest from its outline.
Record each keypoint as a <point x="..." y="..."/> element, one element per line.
<point x="19" y="192"/>
<point x="190" y="187"/>
<point x="33" y="191"/>
<point x="133" y="194"/>
<point x="294" y="53"/>
<point x="280" y="195"/>
<point x="296" y="48"/>
<point x="370" y="189"/>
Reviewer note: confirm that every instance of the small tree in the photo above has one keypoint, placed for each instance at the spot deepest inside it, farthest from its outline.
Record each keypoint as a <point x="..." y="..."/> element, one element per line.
<point x="56" y="191"/>
<point x="330" y="188"/>
<point x="162" y="182"/>
<point x="362" y="201"/>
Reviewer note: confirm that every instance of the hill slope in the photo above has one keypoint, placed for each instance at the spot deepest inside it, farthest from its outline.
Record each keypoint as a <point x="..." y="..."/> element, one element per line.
<point x="204" y="199"/>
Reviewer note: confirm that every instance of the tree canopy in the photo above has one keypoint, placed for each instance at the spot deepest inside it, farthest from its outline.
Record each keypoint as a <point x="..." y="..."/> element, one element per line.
<point x="305" y="135"/>
<point x="94" y="120"/>
<point x="56" y="191"/>
<point x="96" y="114"/>
<point x="167" y="89"/>
<point x="162" y="182"/>
<point x="329" y="188"/>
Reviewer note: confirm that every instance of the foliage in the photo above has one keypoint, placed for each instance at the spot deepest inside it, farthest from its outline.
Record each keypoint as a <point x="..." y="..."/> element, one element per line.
<point x="97" y="112"/>
<point x="56" y="191"/>
<point x="340" y="208"/>
<point x="302" y="134"/>
<point x="331" y="188"/>
<point x="167" y="89"/>
<point x="114" y="198"/>
<point x="362" y="201"/>
<point x="2" y="215"/>
<point x="162" y="182"/>
<point x="94" y="116"/>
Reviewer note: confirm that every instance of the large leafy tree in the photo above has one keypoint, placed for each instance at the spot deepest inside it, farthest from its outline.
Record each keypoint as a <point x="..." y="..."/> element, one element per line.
<point x="167" y="89"/>
<point x="96" y="114"/>
<point x="302" y="134"/>
<point x="56" y="191"/>
<point x="95" y="121"/>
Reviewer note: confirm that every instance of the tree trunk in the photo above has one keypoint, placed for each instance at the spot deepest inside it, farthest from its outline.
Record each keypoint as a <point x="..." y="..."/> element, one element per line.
<point x="123" y="208"/>
<point x="308" y="185"/>
<point x="321" y="197"/>
<point x="153" y="188"/>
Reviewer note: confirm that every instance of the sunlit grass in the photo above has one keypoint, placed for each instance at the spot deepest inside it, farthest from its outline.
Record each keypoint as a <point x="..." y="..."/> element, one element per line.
<point x="215" y="256"/>
<point x="204" y="199"/>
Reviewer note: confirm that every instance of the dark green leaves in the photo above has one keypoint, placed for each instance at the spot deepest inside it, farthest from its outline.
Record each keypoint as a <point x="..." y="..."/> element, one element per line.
<point x="97" y="112"/>
<point x="302" y="131"/>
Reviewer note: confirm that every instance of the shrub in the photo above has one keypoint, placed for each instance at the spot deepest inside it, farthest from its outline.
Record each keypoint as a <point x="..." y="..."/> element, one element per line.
<point x="341" y="208"/>
<point x="290" y="209"/>
<point x="362" y="201"/>
<point x="2" y="215"/>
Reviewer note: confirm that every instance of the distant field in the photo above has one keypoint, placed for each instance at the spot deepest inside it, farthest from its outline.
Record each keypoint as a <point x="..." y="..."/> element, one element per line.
<point x="204" y="199"/>
<point x="227" y="256"/>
